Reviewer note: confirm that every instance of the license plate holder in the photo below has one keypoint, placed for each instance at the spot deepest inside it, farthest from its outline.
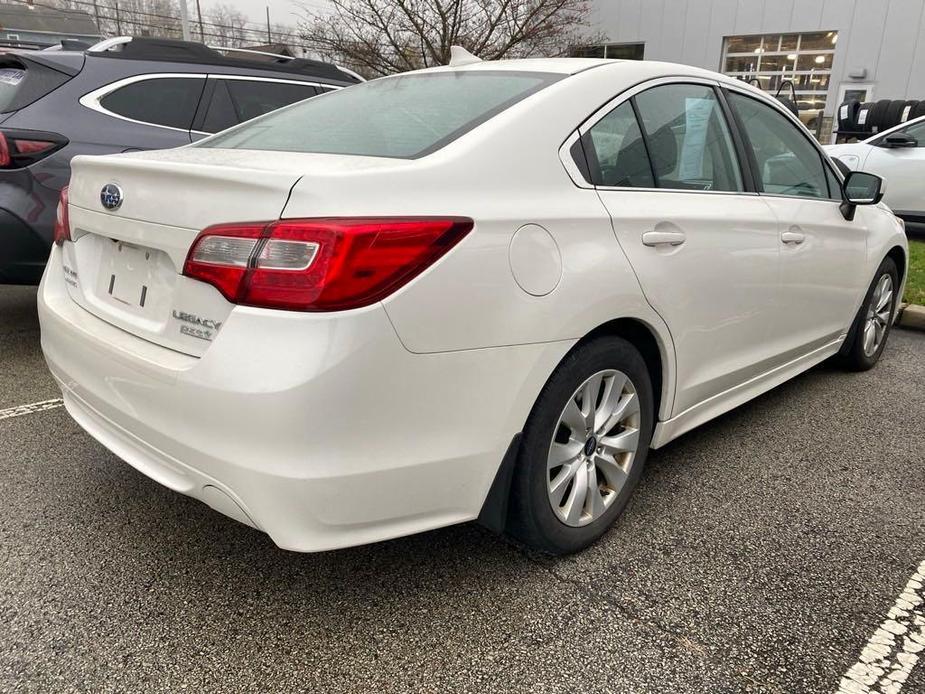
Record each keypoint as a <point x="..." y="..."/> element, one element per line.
<point x="131" y="275"/>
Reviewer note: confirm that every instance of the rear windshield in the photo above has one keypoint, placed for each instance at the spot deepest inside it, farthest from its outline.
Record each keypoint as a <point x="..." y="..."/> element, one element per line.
<point x="10" y="79"/>
<point x="406" y="116"/>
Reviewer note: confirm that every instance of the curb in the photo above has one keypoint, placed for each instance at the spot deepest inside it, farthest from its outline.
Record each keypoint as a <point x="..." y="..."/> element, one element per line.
<point x="911" y="316"/>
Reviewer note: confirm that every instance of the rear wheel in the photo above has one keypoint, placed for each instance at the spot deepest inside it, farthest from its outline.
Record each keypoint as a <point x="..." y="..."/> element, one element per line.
<point x="871" y="327"/>
<point x="583" y="448"/>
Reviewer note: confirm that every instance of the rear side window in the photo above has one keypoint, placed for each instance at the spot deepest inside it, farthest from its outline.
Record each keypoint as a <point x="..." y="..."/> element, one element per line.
<point x="169" y="101"/>
<point x="405" y="116"/>
<point x="22" y="83"/>
<point x="688" y="137"/>
<point x="10" y="79"/>
<point x="787" y="163"/>
<point x="235" y="101"/>
<point x="617" y="151"/>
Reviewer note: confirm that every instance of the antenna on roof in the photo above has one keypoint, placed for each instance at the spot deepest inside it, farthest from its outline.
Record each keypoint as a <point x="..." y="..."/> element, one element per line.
<point x="460" y="56"/>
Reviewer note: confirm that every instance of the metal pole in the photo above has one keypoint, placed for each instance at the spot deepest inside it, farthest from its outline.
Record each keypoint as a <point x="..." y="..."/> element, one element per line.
<point x="96" y="11"/>
<point x="118" y="20"/>
<point x="184" y="20"/>
<point x="269" y="37"/>
<point x="202" y="34"/>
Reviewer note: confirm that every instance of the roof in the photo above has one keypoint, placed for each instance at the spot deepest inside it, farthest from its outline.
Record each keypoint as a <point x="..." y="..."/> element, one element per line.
<point x="563" y="66"/>
<point x="573" y="66"/>
<point x="175" y="51"/>
<point x="46" y="19"/>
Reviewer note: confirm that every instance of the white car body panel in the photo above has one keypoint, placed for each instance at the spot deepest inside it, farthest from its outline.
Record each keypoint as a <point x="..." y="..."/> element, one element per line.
<point x="332" y="429"/>
<point x="903" y="168"/>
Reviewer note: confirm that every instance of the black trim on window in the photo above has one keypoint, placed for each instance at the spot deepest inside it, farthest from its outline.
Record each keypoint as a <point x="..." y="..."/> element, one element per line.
<point x="645" y="138"/>
<point x="743" y="152"/>
<point x="746" y="144"/>
<point x="595" y="174"/>
<point x="577" y="152"/>
<point x="204" y="101"/>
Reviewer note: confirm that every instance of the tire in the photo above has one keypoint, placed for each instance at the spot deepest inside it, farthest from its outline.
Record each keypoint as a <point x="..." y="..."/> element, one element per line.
<point x="865" y="112"/>
<point x="848" y="116"/>
<point x="534" y="519"/>
<point x="856" y="354"/>
<point x="908" y="110"/>
<point x="877" y="116"/>
<point x="894" y="113"/>
<point x="918" y="111"/>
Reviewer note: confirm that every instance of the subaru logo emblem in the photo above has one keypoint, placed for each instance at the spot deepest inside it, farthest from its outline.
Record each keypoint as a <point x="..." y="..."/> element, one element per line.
<point x="111" y="196"/>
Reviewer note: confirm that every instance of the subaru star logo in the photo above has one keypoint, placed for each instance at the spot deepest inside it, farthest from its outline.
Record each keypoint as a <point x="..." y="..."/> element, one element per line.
<point x="111" y="196"/>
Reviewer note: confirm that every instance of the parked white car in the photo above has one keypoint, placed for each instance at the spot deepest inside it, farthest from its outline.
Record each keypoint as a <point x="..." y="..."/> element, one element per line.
<point x="467" y="292"/>
<point x="898" y="156"/>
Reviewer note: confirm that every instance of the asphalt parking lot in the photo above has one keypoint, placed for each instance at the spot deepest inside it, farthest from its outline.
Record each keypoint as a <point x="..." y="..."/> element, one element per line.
<point x="760" y="554"/>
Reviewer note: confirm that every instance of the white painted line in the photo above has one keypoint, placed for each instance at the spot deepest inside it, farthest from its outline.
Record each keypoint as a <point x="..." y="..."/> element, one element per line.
<point x="21" y="410"/>
<point x="896" y="646"/>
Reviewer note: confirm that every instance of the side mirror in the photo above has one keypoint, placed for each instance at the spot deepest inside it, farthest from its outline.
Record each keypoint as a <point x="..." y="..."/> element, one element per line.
<point x="860" y="188"/>
<point x="898" y="140"/>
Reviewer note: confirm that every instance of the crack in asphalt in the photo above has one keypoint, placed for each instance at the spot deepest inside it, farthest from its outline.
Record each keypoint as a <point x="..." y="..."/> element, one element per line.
<point x="687" y="643"/>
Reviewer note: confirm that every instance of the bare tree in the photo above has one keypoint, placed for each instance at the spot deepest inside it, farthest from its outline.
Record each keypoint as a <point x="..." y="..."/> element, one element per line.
<point x="380" y="37"/>
<point x="227" y="27"/>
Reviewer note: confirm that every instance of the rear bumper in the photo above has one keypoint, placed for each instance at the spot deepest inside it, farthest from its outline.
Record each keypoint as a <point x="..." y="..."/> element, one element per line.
<point x="320" y="430"/>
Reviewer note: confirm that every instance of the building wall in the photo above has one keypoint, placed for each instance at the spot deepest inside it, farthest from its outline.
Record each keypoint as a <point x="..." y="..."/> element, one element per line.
<point x="887" y="37"/>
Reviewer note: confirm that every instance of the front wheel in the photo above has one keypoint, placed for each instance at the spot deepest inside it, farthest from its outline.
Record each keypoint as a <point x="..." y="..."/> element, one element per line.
<point x="583" y="448"/>
<point x="867" y="336"/>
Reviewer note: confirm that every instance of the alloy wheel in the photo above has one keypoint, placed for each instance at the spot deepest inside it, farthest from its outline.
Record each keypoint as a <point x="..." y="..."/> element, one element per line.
<point x="593" y="447"/>
<point x="878" y="315"/>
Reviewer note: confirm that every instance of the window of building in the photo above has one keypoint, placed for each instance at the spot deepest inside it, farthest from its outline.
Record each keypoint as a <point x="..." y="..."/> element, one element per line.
<point x="615" y="51"/>
<point x="772" y="60"/>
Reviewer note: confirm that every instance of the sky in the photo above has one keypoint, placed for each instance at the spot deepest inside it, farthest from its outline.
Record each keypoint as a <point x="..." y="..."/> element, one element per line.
<point x="281" y="11"/>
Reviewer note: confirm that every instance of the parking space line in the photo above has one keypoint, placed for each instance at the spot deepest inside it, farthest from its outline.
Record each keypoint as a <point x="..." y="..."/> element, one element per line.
<point x="896" y="646"/>
<point x="21" y="410"/>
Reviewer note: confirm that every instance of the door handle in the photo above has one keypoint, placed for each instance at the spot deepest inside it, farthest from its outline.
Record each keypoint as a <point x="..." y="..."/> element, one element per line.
<point x="793" y="237"/>
<point x="663" y="238"/>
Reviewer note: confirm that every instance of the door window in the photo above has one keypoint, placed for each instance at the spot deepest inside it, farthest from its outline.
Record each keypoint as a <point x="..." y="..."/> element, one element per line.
<point x="688" y="138"/>
<point x="618" y="152"/>
<point x="787" y="162"/>
<point x="169" y="101"/>
<point x="235" y="101"/>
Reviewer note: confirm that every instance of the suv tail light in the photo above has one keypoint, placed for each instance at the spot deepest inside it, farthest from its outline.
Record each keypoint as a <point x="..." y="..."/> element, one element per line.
<point x="20" y="148"/>
<point x="62" y="220"/>
<point x="327" y="264"/>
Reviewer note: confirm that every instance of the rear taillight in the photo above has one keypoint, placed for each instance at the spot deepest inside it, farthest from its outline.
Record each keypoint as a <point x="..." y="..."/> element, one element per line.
<point x="20" y="148"/>
<point x="62" y="220"/>
<point x="319" y="264"/>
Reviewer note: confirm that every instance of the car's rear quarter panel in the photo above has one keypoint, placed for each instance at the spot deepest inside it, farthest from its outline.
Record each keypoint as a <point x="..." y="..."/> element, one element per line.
<point x="504" y="174"/>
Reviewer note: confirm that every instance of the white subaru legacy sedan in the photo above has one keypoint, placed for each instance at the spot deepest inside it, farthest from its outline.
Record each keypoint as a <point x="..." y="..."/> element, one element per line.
<point x="472" y="292"/>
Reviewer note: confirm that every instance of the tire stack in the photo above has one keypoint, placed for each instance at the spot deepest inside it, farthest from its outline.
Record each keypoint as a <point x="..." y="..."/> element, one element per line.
<point x="872" y="117"/>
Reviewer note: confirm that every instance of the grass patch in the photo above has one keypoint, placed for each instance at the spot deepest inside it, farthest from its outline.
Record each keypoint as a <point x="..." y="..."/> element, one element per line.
<point x="915" y="283"/>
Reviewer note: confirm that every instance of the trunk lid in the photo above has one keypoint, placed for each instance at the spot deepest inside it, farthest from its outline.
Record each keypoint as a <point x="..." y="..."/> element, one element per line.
<point x="125" y="264"/>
